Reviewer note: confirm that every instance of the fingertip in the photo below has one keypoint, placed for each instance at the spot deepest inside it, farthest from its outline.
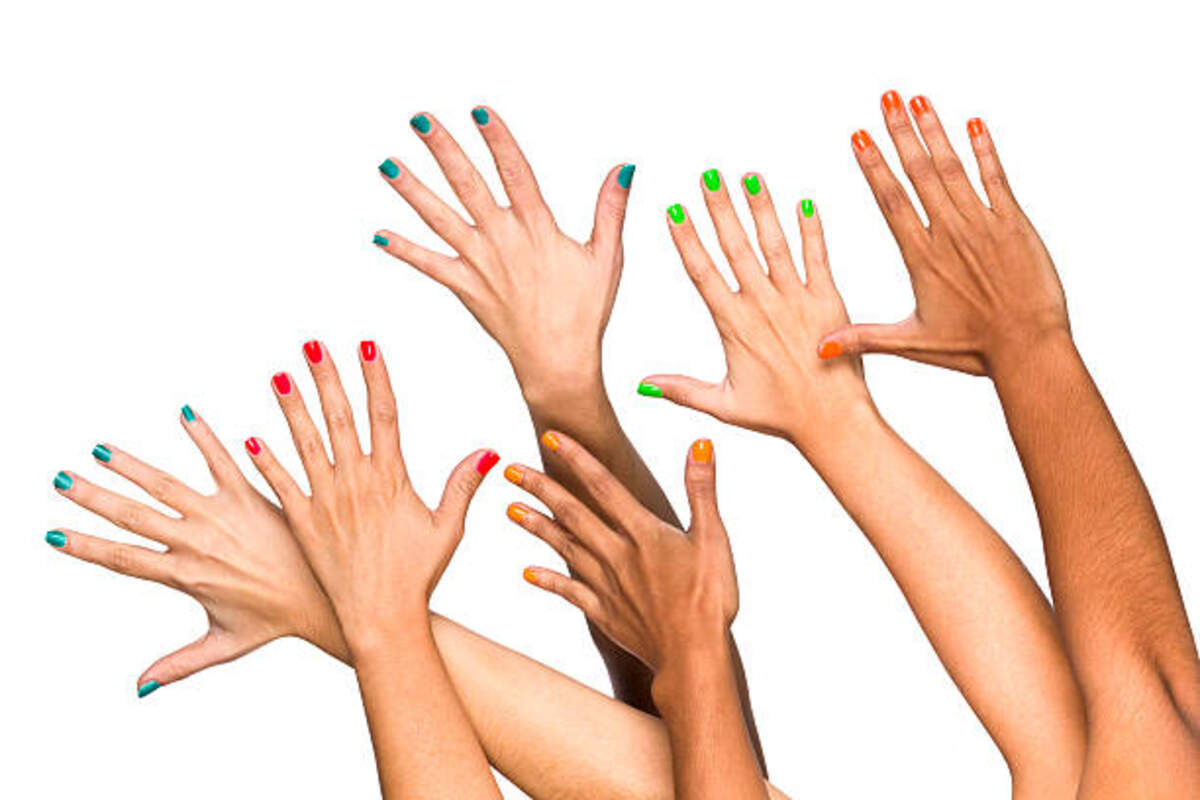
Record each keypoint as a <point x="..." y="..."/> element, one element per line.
<point x="861" y="140"/>
<point x="552" y="441"/>
<point x="711" y="180"/>
<point x="422" y="123"/>
<point x="254" y="445"/>
<point x="976" y="129"/>
<point x="701" y="452"/>
<point x="281" y="382"/>
<point x="367" y="350"/>
<point x="63" y="481"/>
<point x="482" y="115"/>
<point x="753" y="184"/>
<point x="806" y="209"/>
<point x="517" y="512"/>
<point x="829" y="349"/>
<point x="676" y="214"/>
<point x="485" y="462"/>
<point x="531" y="575"/>
<point x="648" y="388"/>
<point x="513" y="474"/>
<point x="314" y="351"/>
<point x="57" y="539"/>
<point x="625" y="175"/>
<point x="146" y="687"/>
<point x="390" y="168"/>
<point x="188" y="414"/>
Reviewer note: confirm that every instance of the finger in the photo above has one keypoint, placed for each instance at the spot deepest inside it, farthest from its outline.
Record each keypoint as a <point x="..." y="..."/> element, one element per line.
<point x="207" y="651"/>
<point x="437" y="214"/>
<point x="121" y="511"/>
<point x="515" y="173"/>
<point x="464" y="179"/>
<point x="381" y="408"/>
<point x="220" y="463"/>
<point x="610" y="495"/>
<point x="610" y="213"/>
<point x="812" y="247"/>
<point x="731" y="234"/>
<point x="905" y="339"/>
<point x="453" y="273"/>
<point x="680" y="389"/>
<point x="464" y="481"/>
<point x="339" y="418"/>
<point x="282" y="483"/>
<point x="569" y="589"/>
<point x="700" y="268"/>
<point x="898" y="211"/>
<point x="995" y="182"/>
<point x="915" y="160"/>
<point x="580" y="521"/>
<point x="771" y="239"/>
<point x="700" y="478"/>
<point x="579" y="559"/>
<point x="164" y="488"/>
<point x="945" y="160"/>
<point x="304" y="433"/>
<point x="124" y="559"/>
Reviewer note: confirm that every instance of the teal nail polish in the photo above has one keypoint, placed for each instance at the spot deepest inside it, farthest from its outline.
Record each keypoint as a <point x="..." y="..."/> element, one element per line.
<point x="56" y="538"/>
<point x="63" y="481"/>
<point x="389" y="168"/>
<point x="649" y="390"/>
<point x="102" y="453"/>
<point x="380" y="240"/>
<point x="480" y="115"/>
<point x="188" y="414"/>
<point x="676" y="214"/>
<point x="806" y="207"/>
<point x="148" y="687"/>
<point x="421" y="123"/>
<point x="625" y="176"/>
<point x="712" y="179"/>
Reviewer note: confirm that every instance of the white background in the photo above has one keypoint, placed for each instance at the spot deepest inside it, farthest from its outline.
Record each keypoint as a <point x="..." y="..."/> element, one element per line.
<point x="188" y="193"/>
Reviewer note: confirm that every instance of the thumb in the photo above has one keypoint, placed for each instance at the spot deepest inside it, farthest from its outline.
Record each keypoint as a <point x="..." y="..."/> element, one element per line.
<point x="610" y="212"/>
<point x="700" y="477"/>
<point x="463" y="481"/>
<point x="685" y="391"/>
<point x="853" y="340"/>
<point x="209" y="650"/>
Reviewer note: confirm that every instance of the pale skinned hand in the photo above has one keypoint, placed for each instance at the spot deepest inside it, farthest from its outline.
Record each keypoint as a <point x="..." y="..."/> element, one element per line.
<point x="984" y="283"/>
<point x="543" y="296"/>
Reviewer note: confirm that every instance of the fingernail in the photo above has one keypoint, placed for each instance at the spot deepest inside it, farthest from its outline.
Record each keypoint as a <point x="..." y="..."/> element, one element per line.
<point x="148" y="687"/>
<point x="892" y="101"/>
<point x="56" y="538"/>
<point x="389" y="168"/>
<point x="479" y="113"/>
<point x="752" y="184"/>
<point x="254" y="445"/>
<point x="512" y="474"/>
<point x="367" y="348"/>
<point x="649" y="390"/>
<point x="675" y="212"/>
<point x="63" y="481"/>
<point x="550" y="440"/>
<point x="486" y="462"/>
<point x="806" y="207"/>
<point x="530" y="575"/>
<point x="702" y="451"/>
<point x="421" y="123"/>
<point x="862" y="140"/>
<point x="625" y="176"/>
<point x="919" y="104"/>
<point x="188" y="414"/>
<point x="102" y="453"/>
<point x="975" y="127"/>
<point x="283" y="384"/>
<point x="379" y="240"/>
<point x="517" y="511"/>
<point x="312" y="350"/>
<point x="830" y="350"/>
<point x="712" y="179"/>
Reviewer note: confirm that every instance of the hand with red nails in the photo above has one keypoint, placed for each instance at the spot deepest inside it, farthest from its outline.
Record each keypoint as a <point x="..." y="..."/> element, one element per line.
<point x="666" y="595"/>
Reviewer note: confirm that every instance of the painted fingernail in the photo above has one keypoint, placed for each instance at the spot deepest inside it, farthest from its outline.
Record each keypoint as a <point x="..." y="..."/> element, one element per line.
<point x="56" y="538"/>
<point x="283" y="384"/>
<point x="830" y="350"/>
<point x="702" y="451"/>
<point x="188" y="414"/>
<point x="919" y="104"/>
<point x="512" y="474"/>
<point x="517" y="511"/>
<point x="649" y="390"/>
<point x="975" y="127"/>
<point x="148" y="687"/>
<point x="806" y="207"/>
<point x="367" y="349"/>
<point x="550" y="440"/>
<point x="862" y="140"/>
<point x="421" y="123"/>
<point x="625" y="176"/>
<point x="102" y="453"/>
<point x="486" y="462"/>
<point x="63" y="481"/>
<point x="892" y="101"/>
<point x="675" y="212"/>
<point x="390" y="168"/>
<point x="480" y="115"/>
<point x="379" y="240"/>
<point x="712" y="179"/>
<point x="753" y="184"/>
<point x="530" y="575"/>
<point x="312" y="350"/>
<point x="253" y="445"/>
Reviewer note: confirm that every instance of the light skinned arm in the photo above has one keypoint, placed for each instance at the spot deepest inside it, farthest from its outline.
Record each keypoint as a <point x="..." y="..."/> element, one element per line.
<point x="989" y="301"/>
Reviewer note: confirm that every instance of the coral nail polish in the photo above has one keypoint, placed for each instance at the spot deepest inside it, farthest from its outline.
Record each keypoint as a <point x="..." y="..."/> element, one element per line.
<point x="148" y="687"/>
<point x="753" y="184"/>
<point x="625" y="176"/>
<point x="702" y="451"/>
<point x="512" y="474"/>
<point x="486" y="462"/>
<point x="313" y="351"/>
<point x="676" y="214"/>
<point x="421" y="123"/>
<point x="480" y="115"/>
<point x="550" y="440"/>
<point x="283" y="384"/>
<point x="253" y="445"/>
<point x="367" y="349"/>
<point x="806" y="208"/>
<point x="862" y="140"/>
<point x="530" y="575"/>
<point x="830" y="350"/>
<point x="892" y="101"/>
<point x="975" y="127"/>
<point x="517" y="511"/>
<point x="63" y="481"/>
<point x="389" y="168"/>
<point x="919" y="104"/>
<point x="712" y="180"/>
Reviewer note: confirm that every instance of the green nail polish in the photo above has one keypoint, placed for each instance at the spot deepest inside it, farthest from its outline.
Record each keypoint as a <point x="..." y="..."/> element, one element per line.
<point x="806" y="207"/>
<point x="421" y="123"/>
<point x="480" y="114"/>
<point x="63" y="481"/>
<point x="625" y="176"/>
<point x="148" y="687"/>
<point x="56" y="538"/>
<point x="389" y="168"/>
<point x="102" y="453"/>
<point x="712" y="179"/>
<point x="753" y="186"/>
<point x="675" y="212"/>
<point x="188" y="414"/>
<point x="649" y="390"/>
<point x="380" y="240"/>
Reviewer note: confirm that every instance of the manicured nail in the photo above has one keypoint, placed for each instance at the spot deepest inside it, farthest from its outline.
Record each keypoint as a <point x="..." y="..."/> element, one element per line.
<point x="148" y="687"/>
<point x="188" y="414"/>
<point x="530" y="575"/>
<point x="830" y="350"/>
<point x="862" y="140"/>
<point x="702" y="451"/>
<point x="367" y="348"/>
<point x="56" y="538"/>
<point x="379" y="240"/>
<point x="712" y="179"/>
<point x="517" y="511"/>
<point x="512" y="474"/>
<point x="421" y="123"/>
<point x="806" y="207"/>
<point x="254" y="445"/>
<point x="892" y="101"/>
<point x="102" y="453"/>
<point x="283" y="384"/>
<point x="550" y="440"/>
<point x="312" y="350"/>
<point x="919" y="104"/>
<point x="625" y="176"/>
<point x="975" y="127"/>
<point x="63" y="481"/>
<point x="752" y="183"/>
<point x="486" y="462"/>
<point x="675" y="212"/>
<point x="389" y="168"/>
<point x="479" y="113"/>
<point x="649" y="390"/>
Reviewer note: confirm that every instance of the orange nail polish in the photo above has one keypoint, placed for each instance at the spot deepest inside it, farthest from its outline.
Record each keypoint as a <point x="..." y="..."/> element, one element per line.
<point x="512" y="474"/>
<point x="530" y="575"/>
<point x="702" y="451"/>
<point x="517" y="511"/>
<point x="862" y="140"/>
<point x="830" y="350"/>
<point x="919" y="104"/>
<point x="975" y="127"/>
<point x="892" y="101"/>
<point x="550" y="440"/>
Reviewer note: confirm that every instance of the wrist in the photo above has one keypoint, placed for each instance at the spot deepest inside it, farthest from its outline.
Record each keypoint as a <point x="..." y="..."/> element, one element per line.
<point x="828" y="436"/>
<point x="1015" y="357"/>
<point x="383" y="639"/>
<point x="691" y="671"/>
<point x="575" y="382"/>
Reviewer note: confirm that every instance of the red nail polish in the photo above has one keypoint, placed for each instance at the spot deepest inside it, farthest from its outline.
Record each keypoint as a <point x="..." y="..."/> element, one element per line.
<point x="367" y="349"/>
<point x="862" y="140"/>
<point x="919" y="104"/>
<point x="487" y="461"/>
<point x="975" y="127"/>
<point x="283" y="384"/>
<point x="313" y="351"/>
<point x="892" y="101"/>
<point x="254" y="445"/>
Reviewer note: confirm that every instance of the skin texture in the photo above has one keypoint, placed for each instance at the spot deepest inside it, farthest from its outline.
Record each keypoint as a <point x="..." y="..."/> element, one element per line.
<point x="988" y="301"/>
<point x="546" y="300"/>
<point x="665" y="595"/>
<point x="987" y="620"/>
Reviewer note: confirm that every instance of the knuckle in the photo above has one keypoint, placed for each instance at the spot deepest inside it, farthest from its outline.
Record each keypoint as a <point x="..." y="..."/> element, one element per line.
<point x="130" y="516"/>
<point x="948" y="166"/>
<point x="163" y="488"/>
<point x="339" y="418"/>
<point x="121" y="561"/>
<point x="510" y="169"/>
<point x="919" y="169"/>
<point x="383" y="412"/>
<point x="311" y="448"/>
<point x="892" y="199"/>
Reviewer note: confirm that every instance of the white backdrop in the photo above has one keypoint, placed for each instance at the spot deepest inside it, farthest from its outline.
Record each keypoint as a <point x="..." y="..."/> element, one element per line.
<point x="188" y="193"/>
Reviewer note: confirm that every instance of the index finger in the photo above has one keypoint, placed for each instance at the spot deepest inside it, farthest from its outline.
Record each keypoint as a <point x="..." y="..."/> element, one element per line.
<point x="610" y="496"/>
